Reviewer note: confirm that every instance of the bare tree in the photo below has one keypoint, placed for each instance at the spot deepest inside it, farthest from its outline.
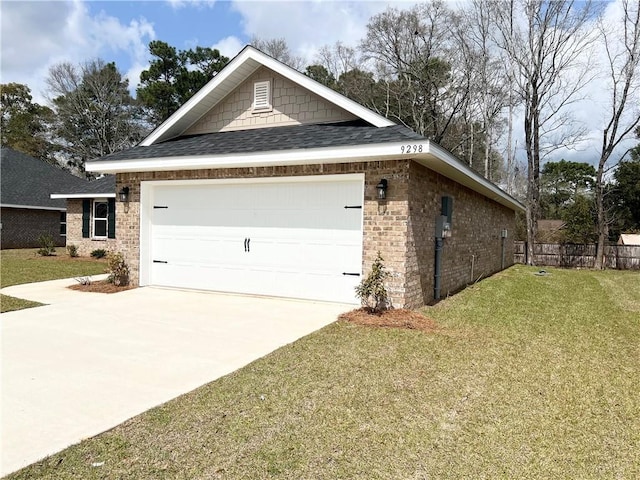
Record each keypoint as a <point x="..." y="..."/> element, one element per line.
<point x="547" y="44"/>
<point x="338" y="59"/>
<point x="622" y="45"/>
<point x="278" y="49"/>
<point x="487" y="79"/>
<point x="412" y="51"/>
<point x="95" y="114"/>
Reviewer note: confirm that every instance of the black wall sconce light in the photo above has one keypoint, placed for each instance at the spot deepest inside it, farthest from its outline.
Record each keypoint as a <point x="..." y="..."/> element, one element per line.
<point x="382" y="189"/>
<point x="123" y="194"/>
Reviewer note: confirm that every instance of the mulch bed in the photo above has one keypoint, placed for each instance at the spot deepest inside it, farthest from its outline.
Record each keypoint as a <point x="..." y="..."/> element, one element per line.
<point x="394" y="318"/>
<point x="101" y="286"/>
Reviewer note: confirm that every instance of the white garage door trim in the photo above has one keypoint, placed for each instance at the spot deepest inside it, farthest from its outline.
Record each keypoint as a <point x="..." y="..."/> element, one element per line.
<point x="147" y="194"/>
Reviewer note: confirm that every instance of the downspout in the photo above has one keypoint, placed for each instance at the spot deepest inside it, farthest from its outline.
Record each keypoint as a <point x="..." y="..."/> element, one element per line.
<point x="438" y="268"/>
<point x="441" y="221"/>
<point x="503" y="236"/>
<point x="443" y="229"/>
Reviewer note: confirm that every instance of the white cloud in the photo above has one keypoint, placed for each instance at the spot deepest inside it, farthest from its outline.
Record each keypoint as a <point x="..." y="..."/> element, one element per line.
<point x="177" y="4"/>
<point x="37" y="35"/>
<point x="229" y="46"/>
<point x="308" y="25"/>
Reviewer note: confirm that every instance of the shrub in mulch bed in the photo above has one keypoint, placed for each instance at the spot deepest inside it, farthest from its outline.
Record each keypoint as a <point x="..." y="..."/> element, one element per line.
<point x="392" y="318"/>
<point x="99" y="287"/>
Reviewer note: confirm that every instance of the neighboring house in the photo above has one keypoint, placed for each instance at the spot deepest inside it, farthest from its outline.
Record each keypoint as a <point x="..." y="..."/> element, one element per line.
<point x="629" y="239"/>
<point x="266" y="182"/>
<point x="27" y="211"/>
<point x="91" y="220"/>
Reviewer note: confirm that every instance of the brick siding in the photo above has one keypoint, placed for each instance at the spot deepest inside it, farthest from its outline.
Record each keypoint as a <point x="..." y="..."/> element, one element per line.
<point x="477" y="223"/>
<point x="401" y="227"/>
<point x="74" y="231"/>
<point x="21" y="227"/>
<point x="292" y="105"/>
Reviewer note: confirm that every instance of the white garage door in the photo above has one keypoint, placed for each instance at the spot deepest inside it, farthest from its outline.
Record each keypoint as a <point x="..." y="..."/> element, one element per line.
<point x="299" y="238"/>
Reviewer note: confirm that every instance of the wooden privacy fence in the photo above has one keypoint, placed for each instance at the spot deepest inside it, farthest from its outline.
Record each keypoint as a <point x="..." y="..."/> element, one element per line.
<point x="621" y="257"/>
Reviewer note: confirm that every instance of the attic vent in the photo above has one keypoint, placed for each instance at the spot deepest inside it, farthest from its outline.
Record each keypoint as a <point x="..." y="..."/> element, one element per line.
<point x="261" y="95"/>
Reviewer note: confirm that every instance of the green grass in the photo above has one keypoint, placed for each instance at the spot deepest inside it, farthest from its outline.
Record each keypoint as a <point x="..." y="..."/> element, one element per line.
<point x="9" y="304"/>
<point x="529" y="377"/>
<point x="26" y="266"/>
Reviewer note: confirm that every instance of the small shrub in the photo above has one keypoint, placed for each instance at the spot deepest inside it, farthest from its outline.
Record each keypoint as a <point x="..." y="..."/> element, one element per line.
<point x="99" y="253"/>
<point x="83" y="280"/>
<point x="47" y="245"/>
<point x="118" y="269"/>
<point x="371" y="291"/>
<point x="73" y="250"/>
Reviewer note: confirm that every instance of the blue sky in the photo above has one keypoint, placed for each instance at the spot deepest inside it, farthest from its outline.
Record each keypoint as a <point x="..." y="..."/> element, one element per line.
<point x="37" y="35"/>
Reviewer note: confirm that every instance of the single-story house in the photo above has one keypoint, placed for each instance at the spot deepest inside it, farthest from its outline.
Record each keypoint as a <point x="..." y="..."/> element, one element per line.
<point x="91" y="221"/>
<point x="267" y="182"/>
<point x="629" y="239"/>
<point x="26" y="209"/>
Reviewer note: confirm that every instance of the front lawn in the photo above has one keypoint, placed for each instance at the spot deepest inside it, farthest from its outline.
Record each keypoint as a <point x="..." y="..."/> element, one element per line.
<point x="26" y="266"/>
<point x="526" y="377"/>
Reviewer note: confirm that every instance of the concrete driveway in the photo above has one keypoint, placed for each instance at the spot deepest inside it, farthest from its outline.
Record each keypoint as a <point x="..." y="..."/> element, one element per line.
<point x="87" y="362"/>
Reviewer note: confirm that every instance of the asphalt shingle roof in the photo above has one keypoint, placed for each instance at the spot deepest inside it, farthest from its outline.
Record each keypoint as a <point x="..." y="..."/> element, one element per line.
<point x="269" y="139"/>
<point x="29" y="182"/>
<point x="106" y="184"/>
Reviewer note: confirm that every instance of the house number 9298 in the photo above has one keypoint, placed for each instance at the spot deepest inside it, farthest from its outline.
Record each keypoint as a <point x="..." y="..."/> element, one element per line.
<point x="411" y="149"/>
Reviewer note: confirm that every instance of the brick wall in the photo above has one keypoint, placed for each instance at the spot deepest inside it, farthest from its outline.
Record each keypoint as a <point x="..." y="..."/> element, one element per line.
<point x="401" y="227"/>
<point x="474" y="249"/>
<point x="292" y="105"/>
<point x="74" y="231"/>
<point x="21" y="227"/>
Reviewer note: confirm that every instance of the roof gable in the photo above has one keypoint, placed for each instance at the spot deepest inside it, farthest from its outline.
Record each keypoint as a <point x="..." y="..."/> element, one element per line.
<point x="28" y="182"/>
<point x="245" y="64"/>
<point x="288" y="104"/>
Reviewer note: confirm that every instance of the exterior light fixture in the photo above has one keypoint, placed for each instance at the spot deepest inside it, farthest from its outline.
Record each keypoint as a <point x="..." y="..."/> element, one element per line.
<point x="123" y="194"/>
<point x="382" y="189"/>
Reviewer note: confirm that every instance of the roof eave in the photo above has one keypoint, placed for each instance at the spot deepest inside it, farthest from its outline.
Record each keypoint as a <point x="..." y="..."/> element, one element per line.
<point x="426" y="153"/>
<point x="32" y="207"/>
<point x="68" y="196"/>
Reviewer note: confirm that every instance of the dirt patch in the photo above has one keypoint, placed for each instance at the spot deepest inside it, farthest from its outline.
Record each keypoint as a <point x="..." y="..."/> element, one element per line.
<point x="101" y="286"/>
<point x="68" y="258"/>
<point x="395" y="318"/>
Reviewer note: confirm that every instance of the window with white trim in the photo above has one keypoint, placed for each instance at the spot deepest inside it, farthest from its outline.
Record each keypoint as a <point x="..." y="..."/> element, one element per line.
<point x="262" y="95"/>
<point x="100" y="218"/>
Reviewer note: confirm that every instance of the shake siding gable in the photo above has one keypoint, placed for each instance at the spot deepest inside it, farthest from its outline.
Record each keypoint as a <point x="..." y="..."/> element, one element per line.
<point x="291" y="104"/>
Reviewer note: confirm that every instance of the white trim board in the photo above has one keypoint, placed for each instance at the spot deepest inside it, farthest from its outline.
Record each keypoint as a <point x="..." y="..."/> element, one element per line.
<point x="32" y="207"/>
<point x="428" y="154"/>
<point x="82" y="195"/>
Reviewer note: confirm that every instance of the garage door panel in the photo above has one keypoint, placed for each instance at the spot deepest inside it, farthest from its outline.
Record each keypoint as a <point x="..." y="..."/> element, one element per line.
<point x="301" y="238"/>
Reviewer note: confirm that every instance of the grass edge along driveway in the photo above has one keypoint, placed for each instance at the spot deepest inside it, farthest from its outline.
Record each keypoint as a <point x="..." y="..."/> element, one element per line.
<point x="21" y="266"/>
<point x="528" y="377"/>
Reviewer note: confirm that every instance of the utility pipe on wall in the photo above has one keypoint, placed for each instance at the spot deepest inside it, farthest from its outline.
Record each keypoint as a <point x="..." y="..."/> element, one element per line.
<point x="473" y="263"/>
<point x="441" y="230"/>
<point x="438" y="268"/>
